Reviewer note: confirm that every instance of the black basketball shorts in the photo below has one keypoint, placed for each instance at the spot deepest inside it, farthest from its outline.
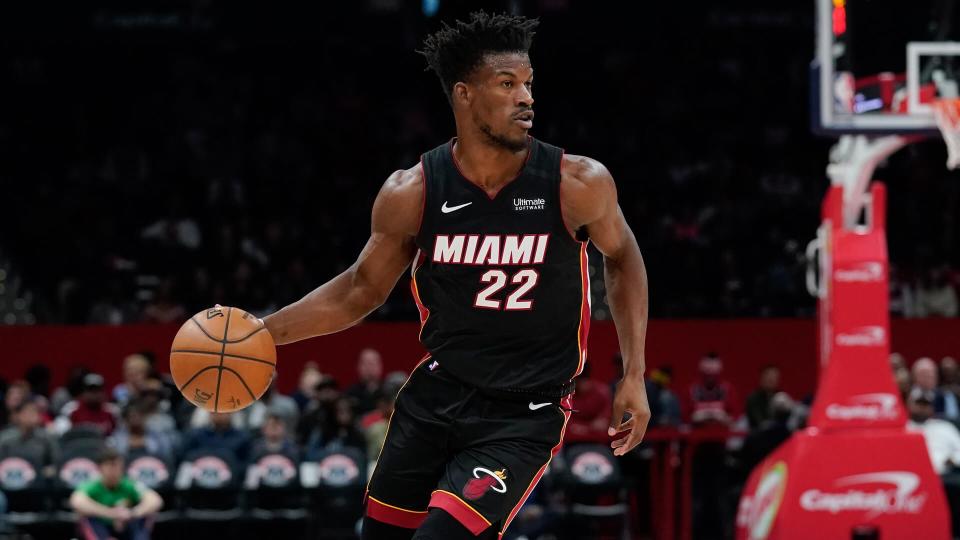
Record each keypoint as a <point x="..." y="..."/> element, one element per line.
<point x="452" y="447"/>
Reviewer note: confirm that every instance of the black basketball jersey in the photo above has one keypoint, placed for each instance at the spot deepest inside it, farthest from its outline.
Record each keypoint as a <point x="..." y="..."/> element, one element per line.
<point x="501" y="285"/>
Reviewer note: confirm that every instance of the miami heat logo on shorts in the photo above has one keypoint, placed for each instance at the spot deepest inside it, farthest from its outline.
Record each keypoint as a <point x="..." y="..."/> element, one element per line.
<point x="483" y="480"/>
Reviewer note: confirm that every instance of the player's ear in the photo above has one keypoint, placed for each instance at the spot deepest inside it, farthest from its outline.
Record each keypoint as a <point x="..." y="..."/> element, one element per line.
<point x="461" y="93"/>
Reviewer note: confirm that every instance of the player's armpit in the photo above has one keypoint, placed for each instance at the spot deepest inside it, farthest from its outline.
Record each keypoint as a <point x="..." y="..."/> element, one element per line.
<point x="349" y="297"/>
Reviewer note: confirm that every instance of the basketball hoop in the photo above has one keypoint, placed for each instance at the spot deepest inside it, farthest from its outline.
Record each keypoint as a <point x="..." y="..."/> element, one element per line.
<point x="947" y="113"/>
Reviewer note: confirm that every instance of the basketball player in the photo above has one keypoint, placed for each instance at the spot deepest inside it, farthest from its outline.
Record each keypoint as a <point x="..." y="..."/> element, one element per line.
<point x="496" y="224"/>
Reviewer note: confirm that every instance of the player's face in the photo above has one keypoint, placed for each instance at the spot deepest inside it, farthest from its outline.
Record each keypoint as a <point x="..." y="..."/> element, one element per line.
<point x="502" y="99"/>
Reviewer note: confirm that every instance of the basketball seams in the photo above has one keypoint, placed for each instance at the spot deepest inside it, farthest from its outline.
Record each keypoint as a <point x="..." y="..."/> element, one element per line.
<point x="243" y="382"/>
<point x="216" y="395"/>
<point x="204" y="330"/>
<point x="225" y="340"/>
<point x="195" y="375"/>
<point x="244" y="338"/>
<point x="226" y="355"/>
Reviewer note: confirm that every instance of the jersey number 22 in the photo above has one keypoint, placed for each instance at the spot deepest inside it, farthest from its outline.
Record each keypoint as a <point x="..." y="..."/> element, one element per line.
<point x="527" y="279"/>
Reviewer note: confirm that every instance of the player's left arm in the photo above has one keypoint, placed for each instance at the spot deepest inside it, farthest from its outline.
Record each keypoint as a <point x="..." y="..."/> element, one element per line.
<point x="589" y="200"/>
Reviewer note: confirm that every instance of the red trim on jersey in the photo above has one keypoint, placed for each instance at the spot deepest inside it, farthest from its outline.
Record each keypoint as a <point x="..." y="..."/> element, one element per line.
<point x="453" y="158"/>
<point x="394" y="515"/>
<point x="584" y="329"/>
<point x="565" y="402"/>
<point x="460" y="510"/>
<point x="424" y="311"/>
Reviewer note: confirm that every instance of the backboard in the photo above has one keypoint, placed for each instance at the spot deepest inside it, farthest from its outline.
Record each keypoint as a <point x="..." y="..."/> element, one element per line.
<point x="880" y="64"/>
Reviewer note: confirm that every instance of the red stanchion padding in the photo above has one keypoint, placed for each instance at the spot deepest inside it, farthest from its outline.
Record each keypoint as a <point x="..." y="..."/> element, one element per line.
<point x="822" y="485"/>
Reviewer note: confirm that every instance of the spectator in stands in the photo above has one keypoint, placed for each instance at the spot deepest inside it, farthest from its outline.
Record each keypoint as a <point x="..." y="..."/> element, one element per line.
<point x="770" y="433"/>
<point x="711" y="400"/>
<point x="90" y="408"/>
<point x="307" y="385"/>
<point x="274" y="439"/>
<point x="134" y="435"/>
<point x="319" y="409"/>
<point x="70" y="391"/>
<point x="281" y="406"/>
<point x="156" y="407"/>
<point x="114" y="506"/>
<point x="664" y="404"/>
<point x="758" y="403"/>
<point x="370" y="374"/>
<point x="950" y="376"/>
<point x="592" y="400"/>
<point x="897" y="361"/>
<point x="936" y="296"/>
<point x="220" y="434"/>
<point x="340" y="431"/>
<point x="136" y="369"/>
<point x="17" y="393"/>
<point x="904" y="382"/>
<point x="373" y="424"/>
<point x="942" y="437"/>
<point x="945" y="404"/>
<point x="26" y="437"/>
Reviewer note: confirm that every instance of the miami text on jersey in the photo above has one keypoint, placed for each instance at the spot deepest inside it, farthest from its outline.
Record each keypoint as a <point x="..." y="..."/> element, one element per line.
<point x="495" y="249"/>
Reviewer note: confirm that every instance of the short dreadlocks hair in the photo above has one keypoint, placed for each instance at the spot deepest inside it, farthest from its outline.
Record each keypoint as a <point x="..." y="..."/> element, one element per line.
<point x="453" y="52"/>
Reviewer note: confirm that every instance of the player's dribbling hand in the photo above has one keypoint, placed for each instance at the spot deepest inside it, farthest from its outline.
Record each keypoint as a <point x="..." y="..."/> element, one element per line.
<point x="630" y="397"/>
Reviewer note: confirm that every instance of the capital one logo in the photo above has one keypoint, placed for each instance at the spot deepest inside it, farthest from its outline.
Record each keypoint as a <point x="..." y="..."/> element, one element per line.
<point x="880" y="406"/>
<point x="758" y="513"/>
<point x="864" y="336"/>
<point x="868" y="272"/>
<point x="884" y="492"/>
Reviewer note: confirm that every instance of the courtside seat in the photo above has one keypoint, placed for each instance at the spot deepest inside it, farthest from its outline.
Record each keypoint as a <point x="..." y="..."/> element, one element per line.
<point x="209" y="483"/>
<point x="273" y="487"/>
<point x="25" y="487"/>
<point x="156" y="474"/>
<point x="596" y="488"/>
<point x="335" y="482"/>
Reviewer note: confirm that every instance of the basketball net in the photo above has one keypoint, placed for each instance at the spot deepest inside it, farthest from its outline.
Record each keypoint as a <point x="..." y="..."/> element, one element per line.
<point x="947" y="114"/>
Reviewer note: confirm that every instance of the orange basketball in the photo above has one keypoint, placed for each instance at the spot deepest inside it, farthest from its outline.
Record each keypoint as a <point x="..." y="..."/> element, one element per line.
<point x="223" y="359"/>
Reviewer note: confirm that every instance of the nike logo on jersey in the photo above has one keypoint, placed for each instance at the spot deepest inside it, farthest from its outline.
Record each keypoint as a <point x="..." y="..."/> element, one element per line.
<point x="447" y="209"/>
<point x="535" y="406"/>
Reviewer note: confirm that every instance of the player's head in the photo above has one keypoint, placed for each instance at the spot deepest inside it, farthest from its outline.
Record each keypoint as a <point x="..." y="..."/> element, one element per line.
<point x="484" y="67"/>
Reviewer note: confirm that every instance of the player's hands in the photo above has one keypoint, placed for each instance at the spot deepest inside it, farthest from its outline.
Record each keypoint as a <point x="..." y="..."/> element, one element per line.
<point x="630" y="397"/>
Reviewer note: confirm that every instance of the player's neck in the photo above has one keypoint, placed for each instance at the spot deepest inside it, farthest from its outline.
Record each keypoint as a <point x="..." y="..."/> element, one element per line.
<point x="488" y="166"/>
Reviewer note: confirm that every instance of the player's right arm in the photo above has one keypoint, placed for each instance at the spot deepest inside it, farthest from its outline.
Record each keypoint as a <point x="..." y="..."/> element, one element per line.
<point x="346" y="299"/>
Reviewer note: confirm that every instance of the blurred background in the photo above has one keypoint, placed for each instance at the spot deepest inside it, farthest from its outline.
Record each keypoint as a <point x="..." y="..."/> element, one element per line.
<point x="158" y="157"/>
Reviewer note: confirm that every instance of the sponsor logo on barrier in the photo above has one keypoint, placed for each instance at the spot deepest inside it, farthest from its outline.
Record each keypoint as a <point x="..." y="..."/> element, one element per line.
<point x="868" y="272"/>
<point x="880" y="406"/>
<point x="759" y="512"/>
<point x="16" y="473"/>
<point x="592" y="468"/>
<point x="864" y="336"/>
<point x="864" y="493"/>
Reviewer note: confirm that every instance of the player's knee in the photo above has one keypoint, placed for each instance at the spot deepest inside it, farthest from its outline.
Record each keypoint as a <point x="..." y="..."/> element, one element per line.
<point x="440" y="525"/>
